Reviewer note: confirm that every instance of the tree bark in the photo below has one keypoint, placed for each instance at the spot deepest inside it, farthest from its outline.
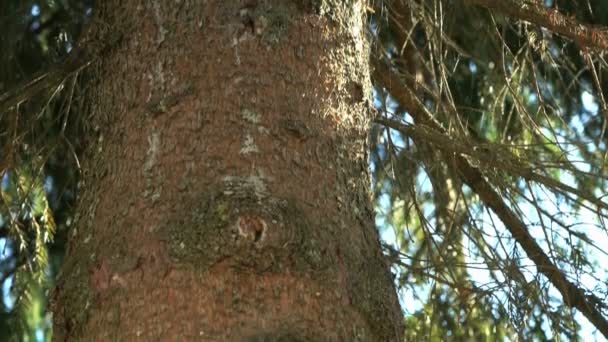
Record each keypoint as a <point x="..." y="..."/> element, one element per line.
<point x="225" y="191"/>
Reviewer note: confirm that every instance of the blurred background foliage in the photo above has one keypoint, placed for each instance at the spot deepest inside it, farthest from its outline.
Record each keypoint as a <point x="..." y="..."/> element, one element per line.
<point x="39" y="170"/>
<point x="523" y="105"/>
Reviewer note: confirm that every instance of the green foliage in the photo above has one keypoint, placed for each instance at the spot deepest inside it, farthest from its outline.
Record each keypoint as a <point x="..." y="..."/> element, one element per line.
<point x="36" y="160"/>
<point x="31" y="227"/>
<point x="522" y="105"/>
<point x="508" y="94"/>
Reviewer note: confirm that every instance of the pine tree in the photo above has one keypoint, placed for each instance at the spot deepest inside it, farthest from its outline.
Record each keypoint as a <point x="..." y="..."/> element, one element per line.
<point x="219" y="152"/>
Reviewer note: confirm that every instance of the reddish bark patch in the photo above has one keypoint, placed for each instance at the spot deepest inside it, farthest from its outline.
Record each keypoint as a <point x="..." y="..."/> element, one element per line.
<point x="267" y="116"/>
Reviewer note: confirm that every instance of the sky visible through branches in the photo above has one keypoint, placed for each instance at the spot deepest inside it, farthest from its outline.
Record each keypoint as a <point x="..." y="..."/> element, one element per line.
<point x="413" y="298"/>
<point x="491" y="116"/>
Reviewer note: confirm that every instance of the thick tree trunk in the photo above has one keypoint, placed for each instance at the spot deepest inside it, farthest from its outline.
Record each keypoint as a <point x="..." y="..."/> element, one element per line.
<point x="226" y="194"/>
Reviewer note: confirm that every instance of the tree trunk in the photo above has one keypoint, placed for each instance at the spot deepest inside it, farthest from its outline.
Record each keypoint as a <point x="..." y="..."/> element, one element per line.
<point x="225" y="191"/>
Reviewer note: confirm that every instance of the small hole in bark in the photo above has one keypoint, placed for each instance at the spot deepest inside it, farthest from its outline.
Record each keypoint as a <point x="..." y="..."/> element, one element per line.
<point x="258" y="236"/>
<point x="251" y="227"/>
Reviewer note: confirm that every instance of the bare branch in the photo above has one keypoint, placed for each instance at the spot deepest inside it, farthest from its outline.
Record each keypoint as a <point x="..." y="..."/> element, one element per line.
<point x="94" y="42"/>
<point x="573" y="296"/>
<point x="594" y="38"/>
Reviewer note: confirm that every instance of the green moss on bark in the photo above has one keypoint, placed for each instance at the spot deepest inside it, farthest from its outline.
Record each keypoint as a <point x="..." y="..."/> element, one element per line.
<point x="212" y="234"/>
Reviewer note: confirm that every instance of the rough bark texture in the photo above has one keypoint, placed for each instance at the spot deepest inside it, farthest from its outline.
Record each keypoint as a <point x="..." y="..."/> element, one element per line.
<point x="225" y="193"/>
